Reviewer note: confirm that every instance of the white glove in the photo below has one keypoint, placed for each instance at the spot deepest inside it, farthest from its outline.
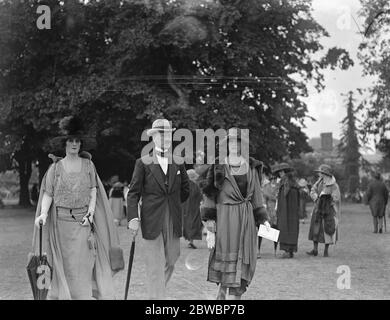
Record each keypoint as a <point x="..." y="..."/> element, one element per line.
<point x="267" y="225"/>
<point x="42" y="218"/>
<point x="210" y="239"/>
<point x="133" y="226"/>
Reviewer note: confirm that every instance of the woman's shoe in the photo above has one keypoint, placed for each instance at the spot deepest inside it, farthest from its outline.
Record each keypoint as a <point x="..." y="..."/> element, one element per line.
<point x="286" y="255"/>
<point x="313" y="253"/>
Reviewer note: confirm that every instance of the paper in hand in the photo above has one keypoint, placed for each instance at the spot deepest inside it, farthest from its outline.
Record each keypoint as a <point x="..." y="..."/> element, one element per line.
<point x="272" y="234"/>
<point x="210" y="239"/>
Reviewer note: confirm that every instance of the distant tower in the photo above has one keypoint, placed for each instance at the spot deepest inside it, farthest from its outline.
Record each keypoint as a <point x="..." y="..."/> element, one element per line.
<point x="326" y="141"/>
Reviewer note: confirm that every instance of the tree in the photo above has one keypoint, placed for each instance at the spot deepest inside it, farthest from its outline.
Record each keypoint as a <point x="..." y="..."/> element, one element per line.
<point x="120" y="64"/>
<point x="349" y="146"/>
<point x="374" y="55"/>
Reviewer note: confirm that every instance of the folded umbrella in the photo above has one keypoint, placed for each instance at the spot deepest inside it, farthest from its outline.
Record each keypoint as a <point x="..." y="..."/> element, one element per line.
<point x="39" y="272"/>
<point x="131" y="259"/>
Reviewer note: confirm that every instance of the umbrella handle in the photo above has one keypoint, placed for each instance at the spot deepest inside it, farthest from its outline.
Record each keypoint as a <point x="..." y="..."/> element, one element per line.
<point x="40" y="240"/>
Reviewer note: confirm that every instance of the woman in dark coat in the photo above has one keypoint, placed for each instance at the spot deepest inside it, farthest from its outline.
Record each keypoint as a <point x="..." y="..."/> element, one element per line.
<point x="233" y="207"/>
<point x="192" y="222"/>
<point x="287" y="210"/>
<point x="377" y="197"/>
<point x="326" y="212"/>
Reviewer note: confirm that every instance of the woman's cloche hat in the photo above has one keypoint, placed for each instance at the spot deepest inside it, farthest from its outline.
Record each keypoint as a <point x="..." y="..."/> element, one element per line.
<point x="160" y="125"/>
<point x="72" y="127"/>
<point x="281" y="167"/>
<point x="325" y="169"/>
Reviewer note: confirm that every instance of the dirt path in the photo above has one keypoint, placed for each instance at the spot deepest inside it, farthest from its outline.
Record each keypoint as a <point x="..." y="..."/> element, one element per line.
<point x="364" y="253"/>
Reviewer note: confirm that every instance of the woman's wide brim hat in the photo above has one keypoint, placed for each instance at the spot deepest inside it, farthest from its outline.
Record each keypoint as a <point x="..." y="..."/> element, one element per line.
<point x="72" y="127"/>
<point x="236" y="133"/>
<point x="325" y="169"/>
<point x="282" y="167"/>
<point x="160" y="125"/>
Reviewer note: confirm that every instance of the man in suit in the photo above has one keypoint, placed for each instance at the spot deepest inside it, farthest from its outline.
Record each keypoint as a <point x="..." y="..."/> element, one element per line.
<point x="377" y="197"/>
<point x="162" y="185"/>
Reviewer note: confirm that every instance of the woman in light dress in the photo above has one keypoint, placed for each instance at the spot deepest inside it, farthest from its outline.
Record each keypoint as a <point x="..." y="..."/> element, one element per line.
<point x="79" y="235"/>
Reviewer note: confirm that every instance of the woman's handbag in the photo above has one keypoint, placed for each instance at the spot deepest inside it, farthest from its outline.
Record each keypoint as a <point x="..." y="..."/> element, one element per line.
<point x="330" y="223"/>
<point x="91" y="238"/>
<point x="116" y="259"/>
<point x="327" y="213"/>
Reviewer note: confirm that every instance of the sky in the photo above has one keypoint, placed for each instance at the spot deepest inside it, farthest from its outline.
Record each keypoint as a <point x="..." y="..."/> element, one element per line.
<point x="341" y="20"/>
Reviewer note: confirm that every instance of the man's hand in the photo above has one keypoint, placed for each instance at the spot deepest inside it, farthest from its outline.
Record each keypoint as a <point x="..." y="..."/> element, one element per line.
<point x="133" y="226"/>
<point x="267" y="225"/>
<point x="41" y="219"/>
<point x="87" y="219"/>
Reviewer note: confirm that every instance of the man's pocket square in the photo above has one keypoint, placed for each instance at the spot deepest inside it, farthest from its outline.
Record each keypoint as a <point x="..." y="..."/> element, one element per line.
<point x="178" y="172"/>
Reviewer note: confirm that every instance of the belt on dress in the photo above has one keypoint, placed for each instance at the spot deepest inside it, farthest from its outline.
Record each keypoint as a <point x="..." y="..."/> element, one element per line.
<point x="73" y="211"/>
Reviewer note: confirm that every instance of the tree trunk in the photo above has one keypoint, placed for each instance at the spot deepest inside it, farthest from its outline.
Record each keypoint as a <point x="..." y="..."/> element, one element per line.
<point x="24" y="178"/>
<point x="24" y="159"/>
<point x="43" y="165"/>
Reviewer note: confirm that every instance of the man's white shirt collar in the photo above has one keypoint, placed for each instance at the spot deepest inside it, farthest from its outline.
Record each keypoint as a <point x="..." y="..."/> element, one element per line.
<point x="163" y="161"/>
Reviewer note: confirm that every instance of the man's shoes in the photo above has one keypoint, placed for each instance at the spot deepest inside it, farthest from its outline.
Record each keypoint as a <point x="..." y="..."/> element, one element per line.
<point x="312" y="253"/>
<point x="192" y="246"/>
<point x="380" y="230"/>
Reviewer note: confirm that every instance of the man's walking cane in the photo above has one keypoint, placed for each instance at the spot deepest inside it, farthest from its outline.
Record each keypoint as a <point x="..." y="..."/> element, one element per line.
<point x="131" y="258"/>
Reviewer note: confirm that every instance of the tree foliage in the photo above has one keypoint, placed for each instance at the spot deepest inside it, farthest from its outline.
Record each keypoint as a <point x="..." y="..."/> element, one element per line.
<point x="375" y="58"/>
<point x="120" y="64"/>
<point x="350" y="145"/>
